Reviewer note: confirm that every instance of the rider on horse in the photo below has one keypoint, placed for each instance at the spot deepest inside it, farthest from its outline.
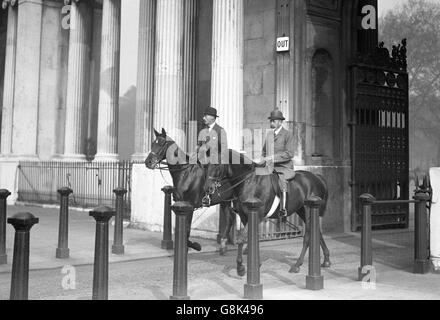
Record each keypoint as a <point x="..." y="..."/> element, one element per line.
<point x="278" y="153"/>
<point x="212" y="141"/>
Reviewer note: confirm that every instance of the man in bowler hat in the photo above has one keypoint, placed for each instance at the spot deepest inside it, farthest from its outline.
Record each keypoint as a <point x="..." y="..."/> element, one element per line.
<point x="278" y="151"/>
<point x="212" y="140"/>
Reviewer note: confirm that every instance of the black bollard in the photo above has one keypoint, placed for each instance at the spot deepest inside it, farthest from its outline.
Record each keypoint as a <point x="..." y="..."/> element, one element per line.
<point x="22" y="223"/>
<point x="253" y="289"/>
<point x="314" y="280"/>
<point x="118" y="246"/>
<point x="180" y="270"/>
<point x="167" y="242"/>
<point x="62" y="251"/>
<point x="102" y="216"/>
<point x="421" y="253"/>
<point x="366" y="201"/>
<point x="4" y="194"/>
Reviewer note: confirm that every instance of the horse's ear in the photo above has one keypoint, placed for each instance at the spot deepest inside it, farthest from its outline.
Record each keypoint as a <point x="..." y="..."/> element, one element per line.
<point x="156" y="133"/>
<point x="164" y="132"/>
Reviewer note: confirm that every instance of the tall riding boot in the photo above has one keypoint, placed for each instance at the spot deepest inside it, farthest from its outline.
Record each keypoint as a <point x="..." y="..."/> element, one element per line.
<point x="283" y="211"/>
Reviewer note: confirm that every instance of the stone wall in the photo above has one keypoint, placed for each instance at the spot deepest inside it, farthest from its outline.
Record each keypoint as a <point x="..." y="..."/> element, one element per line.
<point x="259" y="62"/>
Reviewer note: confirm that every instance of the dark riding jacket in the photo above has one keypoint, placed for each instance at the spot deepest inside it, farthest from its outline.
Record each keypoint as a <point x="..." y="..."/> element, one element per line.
<point x="214" y="144"/>
<point x="281" y="147"/>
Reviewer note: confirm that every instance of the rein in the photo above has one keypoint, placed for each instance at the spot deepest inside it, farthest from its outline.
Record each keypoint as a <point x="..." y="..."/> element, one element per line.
<point x="246" y="176"/>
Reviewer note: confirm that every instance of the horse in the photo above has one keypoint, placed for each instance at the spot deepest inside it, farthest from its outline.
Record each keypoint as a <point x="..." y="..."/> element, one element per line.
<point x="188" y="180"/>
<point x="247" y="184"/>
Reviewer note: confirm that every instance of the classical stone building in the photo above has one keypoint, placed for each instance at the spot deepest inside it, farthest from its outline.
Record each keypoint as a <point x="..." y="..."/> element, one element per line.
<point x="59" y="86"/>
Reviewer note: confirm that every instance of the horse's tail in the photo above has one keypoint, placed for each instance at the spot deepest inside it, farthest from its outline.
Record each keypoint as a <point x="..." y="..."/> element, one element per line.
<point x="325" y="195"/>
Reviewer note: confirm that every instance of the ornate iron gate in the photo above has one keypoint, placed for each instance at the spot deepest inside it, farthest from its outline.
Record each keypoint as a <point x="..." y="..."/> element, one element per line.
<point x="380" y="153"/>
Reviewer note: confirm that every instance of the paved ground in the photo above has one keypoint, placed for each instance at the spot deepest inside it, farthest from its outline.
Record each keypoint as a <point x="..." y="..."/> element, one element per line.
<point x="145" y="271"/>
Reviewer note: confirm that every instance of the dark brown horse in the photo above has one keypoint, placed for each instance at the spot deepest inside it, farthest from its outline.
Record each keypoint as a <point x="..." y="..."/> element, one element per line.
<point x="248" y="184"/>
<point x="188" y="178"/>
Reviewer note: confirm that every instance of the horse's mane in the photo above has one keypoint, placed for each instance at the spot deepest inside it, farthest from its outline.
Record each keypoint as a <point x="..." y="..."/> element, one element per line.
<point x="244" y="160"/>
<point x="179" y="149"/>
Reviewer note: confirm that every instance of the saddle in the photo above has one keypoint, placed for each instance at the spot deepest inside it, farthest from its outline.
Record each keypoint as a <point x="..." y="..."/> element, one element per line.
<point x="275" y="180"/>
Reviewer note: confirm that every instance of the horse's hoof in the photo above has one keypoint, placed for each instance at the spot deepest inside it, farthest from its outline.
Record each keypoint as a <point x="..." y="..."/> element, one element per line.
<point x="294" y="269"/>
<point x="241" y="271"/>
<point x="326" y="264"/>
<point x="195" y="245"/>
<point x="223" y="250"/>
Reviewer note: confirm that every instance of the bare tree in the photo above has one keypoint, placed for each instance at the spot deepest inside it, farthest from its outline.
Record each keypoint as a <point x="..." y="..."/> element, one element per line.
<point x="419" y="22"/>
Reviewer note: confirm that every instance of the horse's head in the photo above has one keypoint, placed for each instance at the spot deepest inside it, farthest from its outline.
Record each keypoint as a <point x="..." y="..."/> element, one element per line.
<point x="159" y="148"/>
<point x="215" y="175"/>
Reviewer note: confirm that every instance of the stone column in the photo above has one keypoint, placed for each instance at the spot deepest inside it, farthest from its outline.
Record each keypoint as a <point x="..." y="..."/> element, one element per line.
<point x="9" y="83"/>
<point x="168" y="105"/>
<point x="109" y="82"/>
<point x="189" y="71"/>
<point x="78" y="79"/>
<point x="27" y="79"/>
<point x="227" y="68"/>
<point x="145" y="79"/>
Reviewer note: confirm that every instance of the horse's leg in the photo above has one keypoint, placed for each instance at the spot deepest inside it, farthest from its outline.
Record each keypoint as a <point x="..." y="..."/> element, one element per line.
<point x="224" y="236"/>
<point x="195" y="245"/>
<point x="241" y="269"/>
<point x="296" y="267"/>
<point x="242" y="239"/>
<point x="326" y="263"/>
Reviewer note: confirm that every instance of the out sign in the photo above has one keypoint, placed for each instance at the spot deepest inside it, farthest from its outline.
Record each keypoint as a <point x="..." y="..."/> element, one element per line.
<point x="282" y="44"/>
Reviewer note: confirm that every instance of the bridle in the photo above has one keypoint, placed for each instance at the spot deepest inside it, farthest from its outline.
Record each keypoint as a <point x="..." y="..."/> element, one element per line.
<point x="217" y="184"/>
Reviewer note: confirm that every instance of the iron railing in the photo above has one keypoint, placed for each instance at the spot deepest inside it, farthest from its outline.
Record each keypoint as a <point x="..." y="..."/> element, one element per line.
<point x="92" y="182"/>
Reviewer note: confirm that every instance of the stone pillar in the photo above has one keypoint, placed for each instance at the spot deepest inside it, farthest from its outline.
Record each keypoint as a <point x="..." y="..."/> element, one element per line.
<point x="145" y="79"/>
<point x="9" y="83"/>
<point x="109" y="82"/>
<point x="78" y="79"/>
<point x="189" y="71"/>
<point x="227" y="68"/>
<point x="27" y="79"/>
<point x="168" y="105"/>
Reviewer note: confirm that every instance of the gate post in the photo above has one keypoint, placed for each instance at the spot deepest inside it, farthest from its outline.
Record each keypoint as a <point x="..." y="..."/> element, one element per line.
<point x="62" y="251"/>
<point x="167" y="241"/>
<point x="102" y="216"/>
<point x="22" y="223"/>
<point x="180" y="268"/>
<point x="314" y="280"/>
<point x="4" y="194"/>
<point x="253" y="289"/>
<point x="367" y="201"/>
<point x="118" y="246"/>
<point x="421" y="253"/>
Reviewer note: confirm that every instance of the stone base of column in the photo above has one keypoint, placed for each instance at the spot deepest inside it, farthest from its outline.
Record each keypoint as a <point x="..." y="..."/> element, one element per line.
<point x="421" y="266"/>
<point x="118" y="249"/>
<point x="106" y="157"/>
<point x="314" y="282"/>
<point x="73" y="158"/>
<point x="138" y="157"/>
<point x="253" y="291"/>
<point x="62" y="253"/>
<point x="3" y="259"/>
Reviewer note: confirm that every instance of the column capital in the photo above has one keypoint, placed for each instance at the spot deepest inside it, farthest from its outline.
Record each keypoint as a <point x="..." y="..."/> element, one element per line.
<point x="7" y="3"/>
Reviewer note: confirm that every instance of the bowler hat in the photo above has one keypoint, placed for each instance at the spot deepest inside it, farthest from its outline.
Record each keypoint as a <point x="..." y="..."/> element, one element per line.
<point x="211" y="112"/>
<point x="276" y="115"/>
